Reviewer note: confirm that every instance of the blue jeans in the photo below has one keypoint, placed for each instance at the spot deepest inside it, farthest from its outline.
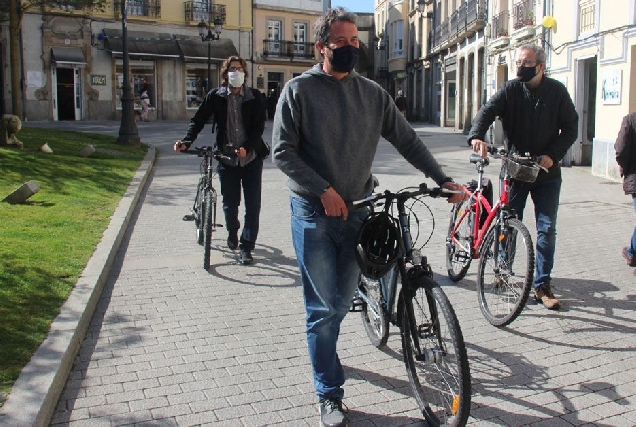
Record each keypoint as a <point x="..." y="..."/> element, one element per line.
<point x="632" y="247"/>
<point x="325" y="250"/>
<point x="545" y="196"/>
<point x="250" y="177"/>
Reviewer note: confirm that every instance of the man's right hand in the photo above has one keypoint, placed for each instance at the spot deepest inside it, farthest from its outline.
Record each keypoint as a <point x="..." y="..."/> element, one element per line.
<point x="180" y="146"/>
<point x="480" y="147"/>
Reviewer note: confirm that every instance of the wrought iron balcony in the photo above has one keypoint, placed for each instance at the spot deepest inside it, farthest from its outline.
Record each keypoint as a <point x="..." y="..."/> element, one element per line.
<point x="500" y="24"/>
<point x="522" y="14"/>
<point x="197" y="11"/>
<point x="147" y="8"/>
<point x="288" y="49"/>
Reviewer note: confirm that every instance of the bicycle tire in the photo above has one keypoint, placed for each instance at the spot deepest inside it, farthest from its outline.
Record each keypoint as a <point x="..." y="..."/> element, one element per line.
<point x="435" y="354"/>
<point x="374" y="319"/>
<point x="199" y="209"/>
<point x="208" y="225"/>
<point x="503" y="294"/>
<point x="458" y="259"/>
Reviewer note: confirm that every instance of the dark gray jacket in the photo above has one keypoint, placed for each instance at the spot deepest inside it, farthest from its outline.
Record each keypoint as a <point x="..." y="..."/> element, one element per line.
<point x="625" y="147"/>
<point x="545" y="122"/>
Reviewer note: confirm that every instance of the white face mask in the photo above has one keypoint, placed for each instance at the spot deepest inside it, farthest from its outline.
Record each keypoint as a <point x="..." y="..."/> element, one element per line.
<point x="236" y="78"/>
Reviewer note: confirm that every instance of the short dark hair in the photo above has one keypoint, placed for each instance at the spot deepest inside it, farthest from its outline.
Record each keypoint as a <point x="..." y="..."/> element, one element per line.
<point x="225" y="68"/>
<point x="322" y="26"/>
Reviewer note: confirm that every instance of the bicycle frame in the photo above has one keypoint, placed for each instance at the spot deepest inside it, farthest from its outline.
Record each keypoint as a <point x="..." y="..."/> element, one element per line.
<point x="478" y="203"/>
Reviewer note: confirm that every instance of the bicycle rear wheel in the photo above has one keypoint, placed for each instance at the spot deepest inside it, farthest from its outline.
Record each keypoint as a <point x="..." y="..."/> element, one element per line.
<point x="458" y="244"/>
<point x="504" y="281"/>
<point x="209" y="225"/>
<point x="435" y="354"/>
<point x="374" y="316"/>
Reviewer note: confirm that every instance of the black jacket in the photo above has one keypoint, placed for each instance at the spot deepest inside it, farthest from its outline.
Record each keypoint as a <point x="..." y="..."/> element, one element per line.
<point x="214" y="106"/>
<point x="544" y="123"/>
<point x="625" y="147"/>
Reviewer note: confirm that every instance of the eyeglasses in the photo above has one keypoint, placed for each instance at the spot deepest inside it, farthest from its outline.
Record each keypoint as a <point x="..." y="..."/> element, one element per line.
<point x="526" y="63"/>
<point x="235" y="69"/>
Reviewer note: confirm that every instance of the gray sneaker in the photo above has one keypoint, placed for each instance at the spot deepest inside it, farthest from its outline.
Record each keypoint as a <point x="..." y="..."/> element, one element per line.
<point x="332" y="413"/>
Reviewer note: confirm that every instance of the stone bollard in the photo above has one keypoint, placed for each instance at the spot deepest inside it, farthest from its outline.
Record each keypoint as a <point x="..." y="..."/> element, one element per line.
<point x="25" y="191"/>
<point x="87" y="151"/>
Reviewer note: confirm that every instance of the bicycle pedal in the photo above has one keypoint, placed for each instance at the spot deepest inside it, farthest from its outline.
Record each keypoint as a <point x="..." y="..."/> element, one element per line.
<point x="189" y="217"/>
<point x="356" y="305"/>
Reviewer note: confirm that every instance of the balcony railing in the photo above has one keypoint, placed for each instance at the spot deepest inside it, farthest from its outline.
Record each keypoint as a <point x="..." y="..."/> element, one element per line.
<point x="500" y="25"/>
<point x="468" y="17"/>
<point x="147" y="8"/>
<point x="587" y="12"/>
<point x="288" y="49"/>
<point x="197" y="11"/>
<point x="522" y="14"/>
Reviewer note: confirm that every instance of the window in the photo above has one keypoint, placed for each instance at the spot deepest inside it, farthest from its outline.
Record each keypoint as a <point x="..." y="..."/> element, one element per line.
<point x="200" y="10"/>
<point x="300" y="38"/>
<point x="273" y="36"/>
<point x="196" y="83"/>
<point x="142" y="76"/>
<point x="587" y="16"/>
<point x="398" y="38"/>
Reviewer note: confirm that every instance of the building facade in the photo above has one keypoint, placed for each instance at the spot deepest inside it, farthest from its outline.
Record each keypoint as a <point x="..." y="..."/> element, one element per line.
<point x="72" y="65"/>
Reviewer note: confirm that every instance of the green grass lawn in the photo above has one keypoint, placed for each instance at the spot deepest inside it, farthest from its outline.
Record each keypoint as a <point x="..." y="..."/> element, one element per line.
<point x="46" y="242"/>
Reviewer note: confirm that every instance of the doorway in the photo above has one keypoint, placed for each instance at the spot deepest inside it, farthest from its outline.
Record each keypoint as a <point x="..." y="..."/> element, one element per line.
<point x="67" y="94"/>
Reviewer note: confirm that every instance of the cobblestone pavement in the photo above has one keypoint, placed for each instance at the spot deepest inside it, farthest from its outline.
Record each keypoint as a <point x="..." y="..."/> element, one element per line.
<point x="172" y="344"/>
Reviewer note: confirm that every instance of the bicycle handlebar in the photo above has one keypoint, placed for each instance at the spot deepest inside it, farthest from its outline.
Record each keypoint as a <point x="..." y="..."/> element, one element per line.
<point x="209" y="150"/>
<point x="499" y="152"/>
<point x="422" y="190"/>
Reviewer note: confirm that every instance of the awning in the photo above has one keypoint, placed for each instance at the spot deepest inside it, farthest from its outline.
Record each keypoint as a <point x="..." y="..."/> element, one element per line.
<point x="68" y="57"/>
<point x="193" y="49"/>
<point x="142" y="44"/>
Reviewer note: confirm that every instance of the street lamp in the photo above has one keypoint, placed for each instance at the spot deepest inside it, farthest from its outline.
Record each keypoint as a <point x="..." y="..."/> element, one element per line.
<point x="127" y="129"/>
<point x="205" y="31"/>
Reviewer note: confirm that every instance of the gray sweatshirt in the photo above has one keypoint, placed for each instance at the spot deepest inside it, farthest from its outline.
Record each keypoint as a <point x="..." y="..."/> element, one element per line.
<point x="326" y="132"/>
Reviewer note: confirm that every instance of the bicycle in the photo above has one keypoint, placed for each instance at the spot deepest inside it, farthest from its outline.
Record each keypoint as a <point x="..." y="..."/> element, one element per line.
<point x="500" y="241"/>
<point x="203" y="210"/>
<point x="432" y="342"/>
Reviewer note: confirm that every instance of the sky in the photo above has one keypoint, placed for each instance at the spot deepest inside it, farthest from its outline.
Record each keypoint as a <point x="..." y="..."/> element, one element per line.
<point x="354" y="5"/>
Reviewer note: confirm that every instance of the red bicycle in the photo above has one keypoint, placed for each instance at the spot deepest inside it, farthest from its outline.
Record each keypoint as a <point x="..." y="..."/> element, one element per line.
<point x="492" y="233"/>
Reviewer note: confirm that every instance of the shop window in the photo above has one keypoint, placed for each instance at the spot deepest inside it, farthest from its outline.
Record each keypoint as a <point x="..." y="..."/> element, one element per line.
<point x="196" y="86"/>
<point x="142" y="76"/>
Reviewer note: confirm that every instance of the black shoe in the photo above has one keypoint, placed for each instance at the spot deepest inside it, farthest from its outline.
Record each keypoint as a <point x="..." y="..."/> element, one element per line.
<point x="232" y="240"/>
<point x="332" y="413"/>
<point x="246" y="256"/>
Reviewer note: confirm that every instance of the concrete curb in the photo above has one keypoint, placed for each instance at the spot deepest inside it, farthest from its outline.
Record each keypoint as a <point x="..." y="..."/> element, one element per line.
<point x="35" y="394"/>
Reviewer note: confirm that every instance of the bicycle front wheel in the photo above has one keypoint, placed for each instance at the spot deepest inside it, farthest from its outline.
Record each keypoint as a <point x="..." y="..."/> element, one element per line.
<point x="199" y="210"/>
<point x="209" y="224"/>
<point x="459" y="241"/>
<point x="505" y="274"/>
<point x="435" y="354"/>
<point x="374" y="316"/>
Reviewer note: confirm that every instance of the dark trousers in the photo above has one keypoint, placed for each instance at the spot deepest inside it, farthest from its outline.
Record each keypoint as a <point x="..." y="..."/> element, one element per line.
<point x="249" y="178"/>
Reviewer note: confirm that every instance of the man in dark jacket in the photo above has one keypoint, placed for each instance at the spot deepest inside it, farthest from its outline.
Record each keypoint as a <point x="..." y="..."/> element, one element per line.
<point x="539" y="118"/>
<point x="239" y="118"/>
<point x="625" y="147"/>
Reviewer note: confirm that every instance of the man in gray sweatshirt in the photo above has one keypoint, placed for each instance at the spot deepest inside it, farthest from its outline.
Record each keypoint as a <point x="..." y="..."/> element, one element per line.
<point x="327" y="127"/>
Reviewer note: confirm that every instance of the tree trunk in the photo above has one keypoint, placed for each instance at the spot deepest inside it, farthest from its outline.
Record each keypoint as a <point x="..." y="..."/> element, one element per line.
<point x="15" y="17"/>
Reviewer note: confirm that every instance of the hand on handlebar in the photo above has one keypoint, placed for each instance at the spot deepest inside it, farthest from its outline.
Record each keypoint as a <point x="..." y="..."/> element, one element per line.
<point x="480" y="147"/>
<point x="180" y="146"/>
<point x="545" y="162"/>
<point x="459" y="194"/>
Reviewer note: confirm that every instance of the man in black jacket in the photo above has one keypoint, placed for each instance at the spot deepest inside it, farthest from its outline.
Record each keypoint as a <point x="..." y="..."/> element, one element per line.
<point x="625" y="147"/>
<point x="539" y="118"/>
<point x="238" y="112"/>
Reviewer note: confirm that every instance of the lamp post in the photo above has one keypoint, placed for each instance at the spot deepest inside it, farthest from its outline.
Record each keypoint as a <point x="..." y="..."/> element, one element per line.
<point x="205" y="31"/>
<point x="127" y="129"/>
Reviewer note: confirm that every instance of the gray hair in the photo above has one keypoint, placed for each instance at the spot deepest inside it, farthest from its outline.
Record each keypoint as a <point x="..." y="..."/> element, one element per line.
<point x="539" y="51"/>
<point x="323" y="24"/>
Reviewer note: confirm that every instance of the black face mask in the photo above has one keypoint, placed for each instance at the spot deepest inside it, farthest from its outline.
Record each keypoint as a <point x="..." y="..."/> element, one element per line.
<point x="526" y="74"/>
<point x="344" y="58"/>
